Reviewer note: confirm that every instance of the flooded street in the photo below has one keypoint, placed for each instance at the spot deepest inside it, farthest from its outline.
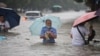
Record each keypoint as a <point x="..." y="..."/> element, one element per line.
<point x="20" y="42"/>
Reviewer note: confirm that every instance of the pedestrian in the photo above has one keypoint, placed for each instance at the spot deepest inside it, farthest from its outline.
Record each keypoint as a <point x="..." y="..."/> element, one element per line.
<point x="78" y="34"/>
<point x="4" y="25"/>
<point x="92" y="34"/>
<point x="48" y="33"/>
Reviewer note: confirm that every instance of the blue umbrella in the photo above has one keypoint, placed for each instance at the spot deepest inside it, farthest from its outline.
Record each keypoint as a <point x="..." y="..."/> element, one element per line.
<point x="37" y="25"/>
<point x="11" y="16"/>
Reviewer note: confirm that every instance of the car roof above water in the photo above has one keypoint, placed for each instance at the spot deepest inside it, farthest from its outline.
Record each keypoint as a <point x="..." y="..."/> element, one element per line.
<point x="32" y="12"/>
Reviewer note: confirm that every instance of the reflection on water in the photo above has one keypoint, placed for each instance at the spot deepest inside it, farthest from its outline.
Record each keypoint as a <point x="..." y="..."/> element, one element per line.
<point x="66" y="49"/>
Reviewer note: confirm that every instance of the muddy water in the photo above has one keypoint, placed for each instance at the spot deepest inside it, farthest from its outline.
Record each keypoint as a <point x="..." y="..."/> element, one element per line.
<point x="19" y="41"/>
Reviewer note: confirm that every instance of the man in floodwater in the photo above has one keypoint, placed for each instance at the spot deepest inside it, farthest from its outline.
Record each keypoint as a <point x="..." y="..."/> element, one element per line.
<point x="48" y="33"/>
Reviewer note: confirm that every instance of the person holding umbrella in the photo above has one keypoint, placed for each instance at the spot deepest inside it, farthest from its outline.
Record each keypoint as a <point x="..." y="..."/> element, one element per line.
<point x="11" y="16"/>
<point x="78" y="34"/>
<point x="4" y="25"/>
<point x="79" y="31"/>
<point x="48" y="33"/>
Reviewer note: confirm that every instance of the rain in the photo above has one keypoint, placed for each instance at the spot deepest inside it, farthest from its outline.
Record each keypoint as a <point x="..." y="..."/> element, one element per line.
<point x="19" y="41"/>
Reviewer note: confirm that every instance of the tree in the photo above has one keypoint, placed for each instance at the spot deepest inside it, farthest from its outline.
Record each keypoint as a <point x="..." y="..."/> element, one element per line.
<point x="93" y="4"/>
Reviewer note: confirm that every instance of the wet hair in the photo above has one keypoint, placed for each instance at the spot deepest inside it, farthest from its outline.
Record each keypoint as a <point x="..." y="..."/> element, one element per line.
<point x="48" y="20"/>
<point x="82" y="24"/>
<point x="3" y="16"/>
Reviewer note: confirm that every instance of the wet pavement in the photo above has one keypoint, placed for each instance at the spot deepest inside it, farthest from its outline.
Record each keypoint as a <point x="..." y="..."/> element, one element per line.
<point x="20" y="42"/>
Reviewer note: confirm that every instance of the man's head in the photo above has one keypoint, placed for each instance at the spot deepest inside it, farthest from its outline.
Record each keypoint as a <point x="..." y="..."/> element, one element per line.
<point x="48" y="23"/>
<point x="82" y="24"/>
<point x="2" y="18"/>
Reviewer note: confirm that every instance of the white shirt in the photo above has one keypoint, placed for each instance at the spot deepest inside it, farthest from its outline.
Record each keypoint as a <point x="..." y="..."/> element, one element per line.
<point x="5" y="24"/>
<point x="77" y="38"/>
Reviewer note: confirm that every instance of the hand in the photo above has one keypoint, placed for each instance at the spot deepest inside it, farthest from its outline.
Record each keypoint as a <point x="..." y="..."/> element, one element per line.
<point x="48" y="32"/>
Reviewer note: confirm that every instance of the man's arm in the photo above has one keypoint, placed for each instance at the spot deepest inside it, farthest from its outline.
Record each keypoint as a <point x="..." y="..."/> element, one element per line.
<point x="53" y="33"/>
<point x="42" y="35"/>
<point x="7" y="25"/>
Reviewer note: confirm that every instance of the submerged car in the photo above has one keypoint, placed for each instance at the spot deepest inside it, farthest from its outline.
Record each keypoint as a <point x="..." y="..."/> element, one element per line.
<point x="32" y="14"/>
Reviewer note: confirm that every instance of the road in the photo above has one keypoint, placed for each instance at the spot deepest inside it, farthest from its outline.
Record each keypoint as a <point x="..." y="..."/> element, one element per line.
<point x="20" y="42"/>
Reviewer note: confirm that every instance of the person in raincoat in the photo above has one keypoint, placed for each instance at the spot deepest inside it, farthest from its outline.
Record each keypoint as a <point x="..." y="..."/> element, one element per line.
<point x="48" y="33"/>
<point x="4" y="25"/>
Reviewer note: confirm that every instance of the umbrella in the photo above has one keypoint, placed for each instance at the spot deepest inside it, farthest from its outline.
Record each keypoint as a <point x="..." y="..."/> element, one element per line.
<point x="11" y="16"/>
<point x="37" y="25"/>
<point x="84" y="18"/>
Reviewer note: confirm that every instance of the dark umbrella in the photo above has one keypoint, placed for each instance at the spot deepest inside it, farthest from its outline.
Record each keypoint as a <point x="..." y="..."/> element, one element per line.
<point x="11" y="16"/>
